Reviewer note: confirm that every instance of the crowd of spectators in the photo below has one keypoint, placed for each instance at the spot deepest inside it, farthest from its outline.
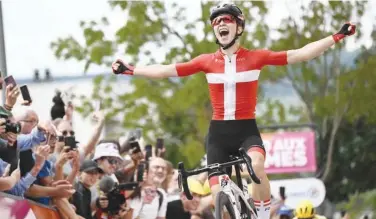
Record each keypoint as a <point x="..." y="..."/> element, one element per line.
<point x="42" y="161"/>
<point x="102" y="178"/>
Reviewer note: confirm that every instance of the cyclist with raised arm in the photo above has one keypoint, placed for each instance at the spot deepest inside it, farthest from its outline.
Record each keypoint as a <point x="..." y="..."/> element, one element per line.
<point x="232" y="73"/>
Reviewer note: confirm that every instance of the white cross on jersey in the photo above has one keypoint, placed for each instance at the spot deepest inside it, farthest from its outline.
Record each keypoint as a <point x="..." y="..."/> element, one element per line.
<point x="229" y="79"/>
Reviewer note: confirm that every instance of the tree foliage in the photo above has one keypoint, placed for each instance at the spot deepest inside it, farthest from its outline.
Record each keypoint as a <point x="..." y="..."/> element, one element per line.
<point x="327" y="85"/>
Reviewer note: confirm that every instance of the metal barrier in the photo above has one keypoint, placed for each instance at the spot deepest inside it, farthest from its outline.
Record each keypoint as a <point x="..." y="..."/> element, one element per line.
<point x="17" y="207"/>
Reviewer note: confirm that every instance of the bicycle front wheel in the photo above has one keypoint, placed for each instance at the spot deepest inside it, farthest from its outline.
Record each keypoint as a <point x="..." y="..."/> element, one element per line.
<point x="222" y="201"/>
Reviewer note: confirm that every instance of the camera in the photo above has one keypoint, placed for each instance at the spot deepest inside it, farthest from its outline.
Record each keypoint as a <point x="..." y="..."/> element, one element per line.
<point x="10" y="126"/>
<point x="116" y="197"/>
<point x="114" y="193"/>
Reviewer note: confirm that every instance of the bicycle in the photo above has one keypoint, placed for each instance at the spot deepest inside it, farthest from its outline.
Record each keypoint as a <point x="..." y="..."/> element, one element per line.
<point x="233" y="196"/>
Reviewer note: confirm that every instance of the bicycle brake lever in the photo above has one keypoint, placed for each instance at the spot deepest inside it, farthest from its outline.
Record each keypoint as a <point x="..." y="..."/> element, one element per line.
<point x="248" y="162"/>
<point x="182" y="177"/>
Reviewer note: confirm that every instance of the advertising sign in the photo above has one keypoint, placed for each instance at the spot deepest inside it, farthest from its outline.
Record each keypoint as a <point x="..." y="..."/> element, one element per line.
<point x="290" y="152"/>
<point x="300" y="189"/>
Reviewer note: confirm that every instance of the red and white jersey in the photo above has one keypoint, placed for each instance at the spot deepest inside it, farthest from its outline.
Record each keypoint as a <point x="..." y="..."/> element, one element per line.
<point x="233" y="81"/>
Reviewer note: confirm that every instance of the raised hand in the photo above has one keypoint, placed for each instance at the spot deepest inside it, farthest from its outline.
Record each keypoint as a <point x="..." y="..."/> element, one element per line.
<point x="347" y="29"/>
<point x="119" y="67"/>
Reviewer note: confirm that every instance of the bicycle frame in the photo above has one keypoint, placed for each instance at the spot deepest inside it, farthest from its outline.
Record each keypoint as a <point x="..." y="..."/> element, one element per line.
<point x="234" y="192"/>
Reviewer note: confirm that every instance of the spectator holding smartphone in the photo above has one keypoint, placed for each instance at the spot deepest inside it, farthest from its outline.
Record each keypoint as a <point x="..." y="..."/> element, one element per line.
<point x="64" y="129"/>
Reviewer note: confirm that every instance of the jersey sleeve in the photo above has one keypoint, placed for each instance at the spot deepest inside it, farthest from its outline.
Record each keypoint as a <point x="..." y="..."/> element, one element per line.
<point x="274" y="58"/>
<point x="192" y="67"/>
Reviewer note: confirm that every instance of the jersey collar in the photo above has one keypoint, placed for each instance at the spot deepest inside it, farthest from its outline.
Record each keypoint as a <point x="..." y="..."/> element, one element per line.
<point x="221" y="54"/>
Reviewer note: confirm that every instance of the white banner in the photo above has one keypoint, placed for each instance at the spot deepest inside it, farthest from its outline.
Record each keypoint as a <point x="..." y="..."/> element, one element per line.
<point x="299" y="189"/>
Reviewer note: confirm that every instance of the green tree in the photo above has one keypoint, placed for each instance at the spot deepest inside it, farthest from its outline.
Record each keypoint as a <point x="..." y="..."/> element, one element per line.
<point x="357" y="134"/>
<point x="178" y="109"/>
<point x="360" y="203"/>
<point x="325" y="84"/>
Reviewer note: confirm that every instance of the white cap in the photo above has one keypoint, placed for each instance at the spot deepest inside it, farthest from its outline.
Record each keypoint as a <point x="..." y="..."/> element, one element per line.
<point x="106" y="150"/>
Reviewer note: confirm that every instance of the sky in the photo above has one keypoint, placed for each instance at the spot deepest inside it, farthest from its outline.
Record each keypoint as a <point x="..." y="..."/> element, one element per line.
<point x="30" y="27"/>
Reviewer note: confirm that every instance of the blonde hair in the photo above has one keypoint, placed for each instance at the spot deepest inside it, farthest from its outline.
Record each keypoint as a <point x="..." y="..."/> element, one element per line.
<point x="170" y="171"/>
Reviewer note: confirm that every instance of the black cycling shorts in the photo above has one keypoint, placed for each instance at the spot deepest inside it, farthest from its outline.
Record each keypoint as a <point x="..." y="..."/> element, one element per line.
<point x="225" y="137"/>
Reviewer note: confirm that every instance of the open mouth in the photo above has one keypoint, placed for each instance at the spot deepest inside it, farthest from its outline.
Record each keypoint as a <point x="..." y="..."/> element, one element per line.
<point x="223" y="32"/>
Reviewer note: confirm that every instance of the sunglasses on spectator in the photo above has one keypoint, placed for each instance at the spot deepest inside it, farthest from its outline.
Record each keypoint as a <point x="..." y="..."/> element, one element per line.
<point x="112" y="160"/>
<point x="65" y="133"/>
<point x="227" y="19"/>
<point x="103" y="198"/>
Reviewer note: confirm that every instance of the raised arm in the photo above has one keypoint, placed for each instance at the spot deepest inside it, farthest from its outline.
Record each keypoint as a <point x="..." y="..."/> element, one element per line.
<point x="306" y="53"/>
<point x="315" y="49"/>
<point x="160" y="71"/>
<point x="156" y="71"/>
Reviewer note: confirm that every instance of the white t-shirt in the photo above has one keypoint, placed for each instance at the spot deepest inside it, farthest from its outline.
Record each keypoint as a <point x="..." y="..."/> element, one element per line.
<point x="149" y="211"/>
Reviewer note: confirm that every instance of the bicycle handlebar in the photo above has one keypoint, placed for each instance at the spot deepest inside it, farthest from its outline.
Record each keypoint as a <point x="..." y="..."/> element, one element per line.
<point x="183" y="174"/>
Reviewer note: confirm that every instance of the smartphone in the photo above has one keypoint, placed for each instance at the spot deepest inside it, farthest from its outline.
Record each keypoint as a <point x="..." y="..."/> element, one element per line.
<point x="140" y="172"/>
<point x="10" y="80"/>
<point x="148" y="152"/>
<point x="282" y="191"/>
<point x="1" y="80"/>
<point x="160" y="143"/>
<point x="48" y="139"/>
<point x="25" y="93"/>
<point x="15" y="163"/>
<point x="70" y="141"/>
<point x="135" y="146"/>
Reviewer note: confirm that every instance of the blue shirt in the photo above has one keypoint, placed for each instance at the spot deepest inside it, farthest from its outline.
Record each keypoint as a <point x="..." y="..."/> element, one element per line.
<point x="44" y="172"/>
<point x="21" y="186"/>
<point x="28" y="141"/>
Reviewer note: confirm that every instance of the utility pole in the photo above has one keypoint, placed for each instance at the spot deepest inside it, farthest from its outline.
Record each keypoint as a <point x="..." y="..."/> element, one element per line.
<point x="3" y="60"/>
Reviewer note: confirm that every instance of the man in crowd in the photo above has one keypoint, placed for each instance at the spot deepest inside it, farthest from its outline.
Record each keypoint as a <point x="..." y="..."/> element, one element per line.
<point x="183" y="208"/>
<point x="150" y="201"/>
<point x="108" y="159"/>
<point x="88" y="177"/>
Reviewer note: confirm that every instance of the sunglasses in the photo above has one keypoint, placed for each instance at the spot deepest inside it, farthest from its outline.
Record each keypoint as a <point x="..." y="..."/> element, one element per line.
<point x="227" y="19"/>
<point x="112" y="160"/>
<point x="65" y="133"/>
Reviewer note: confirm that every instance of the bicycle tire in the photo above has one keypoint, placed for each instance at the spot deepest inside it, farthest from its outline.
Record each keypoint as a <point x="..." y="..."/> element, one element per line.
<point x="221" y="201"/>
<point x="247" y="211"/>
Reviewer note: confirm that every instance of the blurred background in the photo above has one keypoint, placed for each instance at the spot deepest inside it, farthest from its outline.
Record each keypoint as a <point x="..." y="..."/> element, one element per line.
<point x="317" y="118"/>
